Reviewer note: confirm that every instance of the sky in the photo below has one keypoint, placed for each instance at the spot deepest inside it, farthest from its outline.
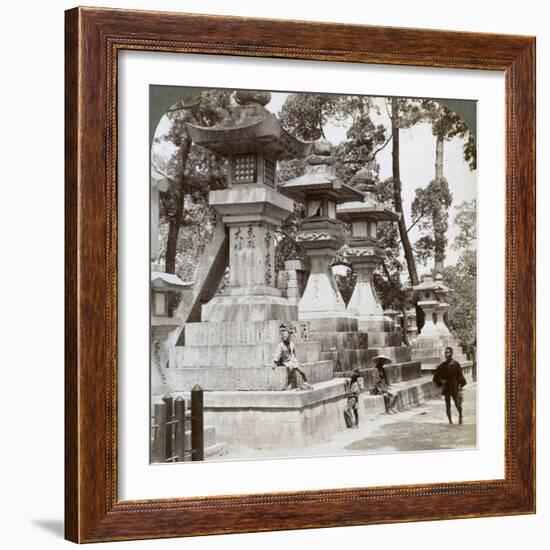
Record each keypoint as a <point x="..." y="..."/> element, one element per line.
<point x="417" y="158"/>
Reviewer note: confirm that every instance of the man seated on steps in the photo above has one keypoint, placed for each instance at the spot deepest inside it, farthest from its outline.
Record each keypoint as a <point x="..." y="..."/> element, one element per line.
<point x="286" y="356"/>
<point x="382" y="386"/>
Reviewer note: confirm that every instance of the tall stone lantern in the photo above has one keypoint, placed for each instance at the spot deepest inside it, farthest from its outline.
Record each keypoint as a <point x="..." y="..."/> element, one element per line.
<point x="426" y="295"/>
<point x="443" y="307"/>
<point x="364" y="251"/>
<point x="252" y="140"/>
<point x="321" y="191"/>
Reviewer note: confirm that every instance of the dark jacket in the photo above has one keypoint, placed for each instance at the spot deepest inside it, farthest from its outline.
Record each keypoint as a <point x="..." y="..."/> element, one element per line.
<point x="449" y="375"/>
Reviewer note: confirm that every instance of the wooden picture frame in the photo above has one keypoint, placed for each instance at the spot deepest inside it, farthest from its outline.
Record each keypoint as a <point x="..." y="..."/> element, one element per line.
<point x="93" y="39"/>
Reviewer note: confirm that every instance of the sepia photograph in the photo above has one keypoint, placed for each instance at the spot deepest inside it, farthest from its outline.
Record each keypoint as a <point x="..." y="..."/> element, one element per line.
<point x="313" y="274"/>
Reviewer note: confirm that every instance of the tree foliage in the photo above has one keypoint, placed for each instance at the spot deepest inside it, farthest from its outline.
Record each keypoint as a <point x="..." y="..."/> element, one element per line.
<point x="462" y="278"/>
<point x="193" y="171"/>
<point x="430" y="210"/>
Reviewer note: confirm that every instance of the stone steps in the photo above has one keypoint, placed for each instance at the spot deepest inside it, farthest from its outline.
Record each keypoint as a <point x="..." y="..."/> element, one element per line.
<point x="335" y="341"/>
<point x="349" y="359"/>
<point x="259" y="378"/>
<point x="398" y="354"/>
<point x="395" y="373"/>
<point x="238" y="355"/>
<point x="409" y="394"/>
<point x="384" y="339"/>
<point x="218" y="449"/>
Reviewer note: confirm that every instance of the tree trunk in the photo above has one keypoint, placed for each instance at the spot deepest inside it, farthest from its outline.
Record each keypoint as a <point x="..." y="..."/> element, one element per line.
<point x="439" y="158"/>
<point x="397" y="199"/>
<point x="439" y="251"/>
<point x="175" y="223"/>
<point x="176" y="220"/>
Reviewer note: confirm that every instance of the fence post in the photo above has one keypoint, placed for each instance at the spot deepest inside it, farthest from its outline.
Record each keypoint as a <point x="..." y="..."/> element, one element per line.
<point x="169" y="433"/>
<point x="179" y="414"/>
<point x="159" y="446"/>
<point x="197" y="423"/>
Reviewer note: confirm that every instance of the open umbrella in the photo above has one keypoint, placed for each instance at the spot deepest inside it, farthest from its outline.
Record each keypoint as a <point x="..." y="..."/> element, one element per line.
<point x="384" y="359"/>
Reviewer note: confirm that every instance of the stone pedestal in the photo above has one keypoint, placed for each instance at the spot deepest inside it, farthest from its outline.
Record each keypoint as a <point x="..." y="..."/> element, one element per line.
<point x="292" y="280"/>
<point x="411" y="328"/>
<point x="321" y="296"/>
<point x="251" y="214"/>
<point x="440" y="311"/>
<point x="364" y="304"/>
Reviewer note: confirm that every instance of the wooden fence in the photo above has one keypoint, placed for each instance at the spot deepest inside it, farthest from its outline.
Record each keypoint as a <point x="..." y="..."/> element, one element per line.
<point x="171" y="420"/>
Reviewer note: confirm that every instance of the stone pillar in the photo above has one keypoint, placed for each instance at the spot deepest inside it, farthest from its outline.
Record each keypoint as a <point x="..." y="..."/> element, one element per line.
<point x="251" y="215"/>
<point x="412" y="329"/>
<point x="440" y="311"/>
<point x="364" y="301"/>
<point x="429" y="329"/>
<point x="293" y="279"/>
<point x="321" y="296"/>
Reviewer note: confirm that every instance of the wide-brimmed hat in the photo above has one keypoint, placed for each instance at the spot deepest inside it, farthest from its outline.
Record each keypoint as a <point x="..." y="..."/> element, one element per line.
<point x="381" y="358"/>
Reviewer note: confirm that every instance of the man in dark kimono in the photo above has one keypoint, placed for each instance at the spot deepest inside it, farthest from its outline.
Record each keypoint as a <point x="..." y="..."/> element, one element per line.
<point x="449" y="376"/>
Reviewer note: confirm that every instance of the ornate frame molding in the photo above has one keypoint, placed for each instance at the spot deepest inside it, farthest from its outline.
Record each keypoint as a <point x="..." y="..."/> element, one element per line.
<point x="93" y="38"/>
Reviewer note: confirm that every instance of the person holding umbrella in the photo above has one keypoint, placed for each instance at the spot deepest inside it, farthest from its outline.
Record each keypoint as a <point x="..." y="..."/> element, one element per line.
<point x="382" y="387"/>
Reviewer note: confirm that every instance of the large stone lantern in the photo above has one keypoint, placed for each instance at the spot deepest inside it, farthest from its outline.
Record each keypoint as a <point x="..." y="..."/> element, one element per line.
<point x="426" y="295"/>
<point x="321" y="191"/>
<point x="252" y="140"/>
<point x="364" y="251"/>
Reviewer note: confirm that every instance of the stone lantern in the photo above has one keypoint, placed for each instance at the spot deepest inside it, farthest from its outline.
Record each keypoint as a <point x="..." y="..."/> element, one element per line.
<point x="321" y="191"/>
<point x="443" y="307"/>
<point x="364" y="251"/>
<point x="431" y="296"/>
<point x="252" y="140"/>
<point x="427" y="299"/>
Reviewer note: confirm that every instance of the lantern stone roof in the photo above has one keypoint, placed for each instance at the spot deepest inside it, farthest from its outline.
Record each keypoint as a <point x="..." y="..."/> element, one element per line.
<point x="319" y="179"/>
<point x="428" y="283"/>
<point x="250" y="128"/>
<point x="159" y="180"/>
<point x="167" y="281"/>
<point x="368" y="207"/>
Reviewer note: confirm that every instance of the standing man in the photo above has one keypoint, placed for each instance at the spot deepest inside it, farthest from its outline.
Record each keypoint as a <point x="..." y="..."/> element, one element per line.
<point x="449" y="375"/>
<point x="286" y="356"/>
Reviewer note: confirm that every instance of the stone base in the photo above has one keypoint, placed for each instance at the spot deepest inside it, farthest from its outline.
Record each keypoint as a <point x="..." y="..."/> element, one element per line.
<point x="384" y="339"/>
<point x="337" y="341"/>
<point x="238" y="355"/>
<point x="284" y="420"/>
<point x="375" y="324"/>
<point x="350" y="359"/>
<point x="245" y="378"/>
<point x="332" y="324"/>
<point x="409" y="394"/>
<point x="248" y="308"/>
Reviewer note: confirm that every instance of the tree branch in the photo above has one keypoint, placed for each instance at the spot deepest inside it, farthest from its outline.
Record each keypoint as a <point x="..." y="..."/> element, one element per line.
<point x="380" y="148"/>
<point x="416" y="221"/>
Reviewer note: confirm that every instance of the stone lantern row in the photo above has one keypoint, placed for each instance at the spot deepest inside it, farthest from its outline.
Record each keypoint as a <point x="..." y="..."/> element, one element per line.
<point x="328" y="200"/>
<point x="254" y="205"/>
